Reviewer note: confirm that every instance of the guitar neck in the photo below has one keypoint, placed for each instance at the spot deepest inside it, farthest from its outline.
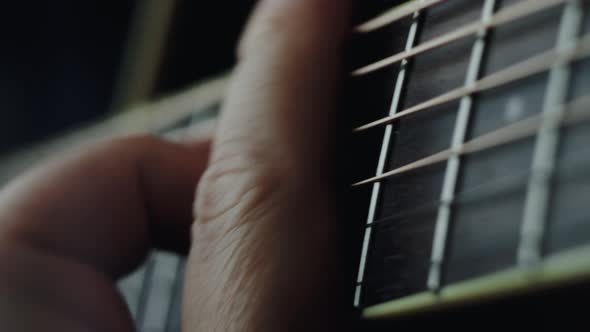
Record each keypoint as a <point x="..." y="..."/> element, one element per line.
<point x="473" y="121"/>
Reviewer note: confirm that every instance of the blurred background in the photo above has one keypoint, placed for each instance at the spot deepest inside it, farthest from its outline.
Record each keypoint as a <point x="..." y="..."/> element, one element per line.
<point x="66" y="63"/>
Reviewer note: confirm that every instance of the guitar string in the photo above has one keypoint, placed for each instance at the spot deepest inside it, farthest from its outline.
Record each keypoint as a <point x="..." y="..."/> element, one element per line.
<point x="486" y="191"/>
<point x="394" y="14"/>
<point x="576" y="111"/>
<point x="496" y="187"/>
<point x="534" y="65"/>
<point x="506" y="15"/>
<point x="480" y="192"/>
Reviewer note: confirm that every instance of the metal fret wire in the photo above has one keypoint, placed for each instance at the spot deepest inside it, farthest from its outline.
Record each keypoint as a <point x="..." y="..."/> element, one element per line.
<point x="144" y="293"/>
<point x="452" y="171"/>
<point x="395" y="105"/>
<point x="507" y="15"/>
<point x="160" y="297"/>
<point x="176" y="298"/>
<point x="548" y="137"/>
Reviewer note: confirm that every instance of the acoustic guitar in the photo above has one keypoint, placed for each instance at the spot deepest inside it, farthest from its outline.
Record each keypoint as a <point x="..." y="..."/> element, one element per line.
<point x="465" y="165"/>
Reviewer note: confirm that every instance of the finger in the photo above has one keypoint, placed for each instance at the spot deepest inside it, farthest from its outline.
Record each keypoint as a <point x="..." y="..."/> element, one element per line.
<point x="264" y="236"/>
<point x="284" y="88"/>
<point x="107" y="205"/>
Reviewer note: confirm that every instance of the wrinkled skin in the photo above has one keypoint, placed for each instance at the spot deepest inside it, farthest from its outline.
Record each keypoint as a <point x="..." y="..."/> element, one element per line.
<point x="262" y="255"/>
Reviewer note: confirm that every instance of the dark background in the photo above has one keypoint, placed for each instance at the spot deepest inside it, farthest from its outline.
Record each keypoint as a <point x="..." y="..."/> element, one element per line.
<point x="59" y="59"/>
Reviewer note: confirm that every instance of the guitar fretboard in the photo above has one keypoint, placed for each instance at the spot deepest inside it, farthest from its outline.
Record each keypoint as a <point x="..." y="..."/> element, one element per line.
<point x="473" y="116"/>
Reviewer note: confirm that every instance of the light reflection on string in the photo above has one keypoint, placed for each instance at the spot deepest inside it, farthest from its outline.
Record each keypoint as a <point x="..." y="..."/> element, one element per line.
<point x="500" y="186"/>
<point x="576" y="111"/>
<point x="507" y="15"/>
<point x="521" y="70"/>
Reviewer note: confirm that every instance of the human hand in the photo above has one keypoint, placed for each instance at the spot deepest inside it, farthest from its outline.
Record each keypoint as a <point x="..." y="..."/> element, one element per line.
<point x="264" y="238"/>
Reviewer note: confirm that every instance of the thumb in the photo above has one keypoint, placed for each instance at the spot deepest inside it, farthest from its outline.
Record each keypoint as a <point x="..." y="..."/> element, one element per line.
<point x="263" y="239"/>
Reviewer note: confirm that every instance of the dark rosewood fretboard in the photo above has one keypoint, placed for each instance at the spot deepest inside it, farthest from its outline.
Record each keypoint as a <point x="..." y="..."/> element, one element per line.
<point x="510" y="192"/>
